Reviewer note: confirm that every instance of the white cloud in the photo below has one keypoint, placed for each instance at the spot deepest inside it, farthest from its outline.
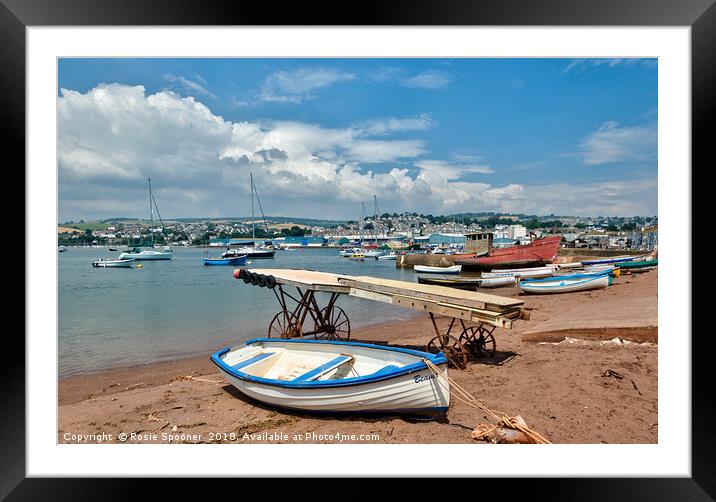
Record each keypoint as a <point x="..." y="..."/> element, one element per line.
<point x="189" y="85"/>
<point x="429" y="79"/>
<point x="581" y="64"/>
<point x="113" y="137"/>
<point x="297" y="85"/>
<point x="612" y="143"/>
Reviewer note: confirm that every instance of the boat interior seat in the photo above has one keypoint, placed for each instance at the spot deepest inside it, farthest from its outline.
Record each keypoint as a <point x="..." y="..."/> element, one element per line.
<point x="324" y="368"/>
<point x="385" y="369"/>
<point x="253" y="360"/>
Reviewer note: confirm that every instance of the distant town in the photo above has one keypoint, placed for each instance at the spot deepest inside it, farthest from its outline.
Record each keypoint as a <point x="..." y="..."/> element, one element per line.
<point x="395" y="230"/>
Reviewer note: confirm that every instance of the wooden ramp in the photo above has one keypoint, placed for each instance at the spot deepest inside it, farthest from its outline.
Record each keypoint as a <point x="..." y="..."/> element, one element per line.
<point x="459" y="304"/>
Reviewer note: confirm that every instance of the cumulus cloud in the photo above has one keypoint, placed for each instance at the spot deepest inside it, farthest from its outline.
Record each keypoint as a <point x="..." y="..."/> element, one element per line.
<point x="113" y="137"/>
<point x="612" y="143"/>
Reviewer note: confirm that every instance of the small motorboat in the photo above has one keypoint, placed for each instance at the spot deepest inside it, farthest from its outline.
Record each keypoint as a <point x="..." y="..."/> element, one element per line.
<point x="124" y="263"/>
<point x="389" y="256"/>
<point x="357" y="257"/>
<point x="334" y="376"/>
<point x="566" y="283"/>
<point x="236" y="261"/>
<point x="425" y="269"/>
<point x="146" y="254"/>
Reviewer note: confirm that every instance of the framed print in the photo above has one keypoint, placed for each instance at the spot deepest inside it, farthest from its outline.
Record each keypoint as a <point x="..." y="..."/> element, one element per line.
<point x="423" y="233"/>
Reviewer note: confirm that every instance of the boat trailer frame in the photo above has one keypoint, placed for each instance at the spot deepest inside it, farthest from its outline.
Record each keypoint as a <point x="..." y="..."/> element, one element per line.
<point x="330" y="322"/>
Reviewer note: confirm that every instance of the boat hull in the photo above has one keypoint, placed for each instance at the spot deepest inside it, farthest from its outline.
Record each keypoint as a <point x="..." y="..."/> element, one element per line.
<point x="416" y="392"/>
<point x="565" y="285"/>
<point x="113" y="263"/>
<point x="425" y="269"/>
<point x="147" y="255"/>
<point x="214" y="262"/>
<point x="539" y="252"/>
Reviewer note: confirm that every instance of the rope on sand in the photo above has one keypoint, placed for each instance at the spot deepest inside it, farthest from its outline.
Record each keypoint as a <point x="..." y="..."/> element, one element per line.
<point x="191" y="377"/>
<point x="482" y="431"/>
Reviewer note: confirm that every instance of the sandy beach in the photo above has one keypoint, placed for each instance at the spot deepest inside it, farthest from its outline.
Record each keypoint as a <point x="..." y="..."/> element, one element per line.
<point x="577" y="385"/>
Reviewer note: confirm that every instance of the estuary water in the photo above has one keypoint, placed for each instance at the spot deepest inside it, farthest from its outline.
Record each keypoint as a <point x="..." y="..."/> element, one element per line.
<point x="115" y="317"/>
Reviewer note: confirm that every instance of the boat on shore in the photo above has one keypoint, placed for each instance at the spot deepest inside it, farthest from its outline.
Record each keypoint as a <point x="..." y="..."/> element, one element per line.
<point x="122" y="263"/>
<point x="337" y="377"/>
<point x="538" y="252"/>
<point x="425" y="269"/>
<point x="526" y="273"/>
<point x="638" y="264"/>
<point x="236" y="261"/>
<point x="615" y="259"/>
<point x="468" y="283"/>
<point x="566" y="284"/>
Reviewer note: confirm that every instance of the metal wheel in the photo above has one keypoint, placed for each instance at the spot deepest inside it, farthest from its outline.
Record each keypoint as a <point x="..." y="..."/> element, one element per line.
<point x="336" y="325"/>
<point x="455" y="351"/>
<point x="284" y="325"/>
<point x="479" y="341"/>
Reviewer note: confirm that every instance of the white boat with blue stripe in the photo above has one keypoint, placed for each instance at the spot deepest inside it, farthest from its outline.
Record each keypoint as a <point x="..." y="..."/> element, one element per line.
<point x="566" y="283"/>
<point x="337" y="377"/>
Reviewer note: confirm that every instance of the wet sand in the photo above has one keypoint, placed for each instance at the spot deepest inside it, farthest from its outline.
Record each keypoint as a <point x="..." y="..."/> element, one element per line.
<point x="568" y="391"/>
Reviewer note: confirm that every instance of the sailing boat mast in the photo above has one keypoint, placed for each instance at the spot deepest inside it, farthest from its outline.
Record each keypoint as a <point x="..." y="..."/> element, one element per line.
<point x="253" y="225"/>
<point x="151" y="211"/>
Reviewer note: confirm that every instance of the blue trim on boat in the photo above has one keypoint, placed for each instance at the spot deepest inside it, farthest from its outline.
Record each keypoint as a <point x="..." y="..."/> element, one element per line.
<point x="608" y="260"/>
<point x="234" y="261"/>
<point x="436" y="359"/>
<point x="323" y="368"/>
<point x="559" y="286"/>
<point x="595" y="275"/>
<point x="252" y="360"/>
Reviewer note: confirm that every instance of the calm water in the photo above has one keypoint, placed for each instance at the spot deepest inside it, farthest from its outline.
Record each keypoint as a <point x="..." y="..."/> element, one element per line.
<point x="171" y="309"/>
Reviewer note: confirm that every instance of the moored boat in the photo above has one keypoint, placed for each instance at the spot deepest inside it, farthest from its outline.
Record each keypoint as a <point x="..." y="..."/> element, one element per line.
<point x="334" y="376"/>
<point x="146" y="254"/>
<point x="249" y="252"/>
<point x="425" y="269"/>
<point x="389" y="256"/>
<point x="236" y="261"/>
<point x="538" y="252"/>
<point x="122" y="263"/>
<point x="566" y="283"/>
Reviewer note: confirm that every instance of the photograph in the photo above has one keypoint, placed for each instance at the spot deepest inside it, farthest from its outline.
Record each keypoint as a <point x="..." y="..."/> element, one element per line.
<point x="358" y="250"/>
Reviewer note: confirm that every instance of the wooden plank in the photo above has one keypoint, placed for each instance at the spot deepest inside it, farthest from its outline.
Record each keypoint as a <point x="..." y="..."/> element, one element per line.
<point x="460" y="297"/>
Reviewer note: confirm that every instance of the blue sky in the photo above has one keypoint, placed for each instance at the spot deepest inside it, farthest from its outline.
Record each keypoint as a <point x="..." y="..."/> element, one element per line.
<point x="540" y="136"/>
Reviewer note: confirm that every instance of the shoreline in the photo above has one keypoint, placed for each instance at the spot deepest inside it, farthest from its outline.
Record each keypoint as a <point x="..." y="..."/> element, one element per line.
<point x="572" y="391"/>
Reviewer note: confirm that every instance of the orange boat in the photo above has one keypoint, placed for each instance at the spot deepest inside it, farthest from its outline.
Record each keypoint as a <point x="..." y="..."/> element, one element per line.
<point x="538" y="252"/>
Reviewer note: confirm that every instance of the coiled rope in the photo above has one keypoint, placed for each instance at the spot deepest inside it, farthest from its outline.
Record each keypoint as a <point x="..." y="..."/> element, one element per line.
<point x="501" y="418"/>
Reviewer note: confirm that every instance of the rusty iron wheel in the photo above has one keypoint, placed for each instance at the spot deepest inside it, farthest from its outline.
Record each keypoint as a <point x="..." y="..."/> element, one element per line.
<point x="285" y="325"/>
<point x="336" y="325"/>
<point x="455" y="351"/>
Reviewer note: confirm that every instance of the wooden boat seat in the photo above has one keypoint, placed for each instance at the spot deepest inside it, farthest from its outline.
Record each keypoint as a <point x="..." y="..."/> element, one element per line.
<point x="253" y="360"/>
<point x="324" y="368"/>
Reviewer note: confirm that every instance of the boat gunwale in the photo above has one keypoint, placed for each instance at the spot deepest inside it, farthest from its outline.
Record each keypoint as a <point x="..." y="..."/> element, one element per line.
<point x="436" y="359"/>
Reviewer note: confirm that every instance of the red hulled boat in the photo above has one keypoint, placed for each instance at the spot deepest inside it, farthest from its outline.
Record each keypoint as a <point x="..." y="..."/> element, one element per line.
<point x="538" y="252"/>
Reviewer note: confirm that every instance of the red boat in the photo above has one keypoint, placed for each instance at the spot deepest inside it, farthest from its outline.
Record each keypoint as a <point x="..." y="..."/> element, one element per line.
<point x="538" y="252"/>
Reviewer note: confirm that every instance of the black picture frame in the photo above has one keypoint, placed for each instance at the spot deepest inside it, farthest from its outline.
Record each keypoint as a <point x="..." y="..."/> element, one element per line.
<point x="700" y="15"/>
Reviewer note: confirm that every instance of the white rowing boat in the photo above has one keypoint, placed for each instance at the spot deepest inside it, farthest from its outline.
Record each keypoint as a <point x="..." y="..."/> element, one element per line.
<point x="425" y="269"/>
<point x="333" y="376"/>
<point x="496" y="282"/>
<point x="533" y="273"/>
<point x="566" y="283"/>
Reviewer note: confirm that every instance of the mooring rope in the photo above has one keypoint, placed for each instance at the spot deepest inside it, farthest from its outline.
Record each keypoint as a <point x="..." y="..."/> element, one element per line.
<point x="501" y="418"/>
